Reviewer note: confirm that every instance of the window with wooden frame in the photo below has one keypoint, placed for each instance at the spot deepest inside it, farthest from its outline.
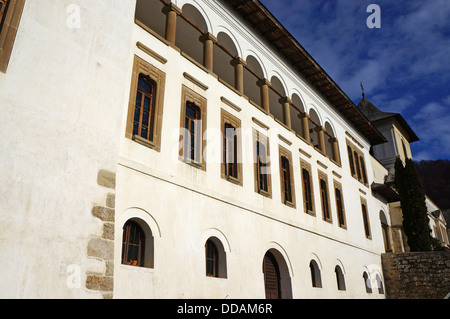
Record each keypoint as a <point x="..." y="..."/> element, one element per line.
<point x="10" y="14"/>
<point x="357" y="163"/>
<point x="145" y="107"/>
<point x="324" y="197"/>
<point x="262" y="164"/>
<point x="193" y="128"/>
<point x="286" y="177"/>
<point x="363" y="169"/>
<point x="351" y="161"/>
<point x="365" y="217"/>
<point x="308" y="193"/>
<point x="212" y="259"/>
<point x="340" y="204"/>
<point x="133" y="244"/>
<point x="231" y="168"/>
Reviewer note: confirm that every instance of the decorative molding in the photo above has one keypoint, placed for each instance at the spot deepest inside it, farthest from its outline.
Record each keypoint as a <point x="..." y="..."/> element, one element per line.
<point x="261" y="124"/>
<point x="336" y="174"/>
<point x="285" y="140"/>
<point x="304" y="153"/>
<point x="230" y="104"/>
<point x="195" y="81"/>
<point x="151" y="53"/>
<point x="322" y="164"/>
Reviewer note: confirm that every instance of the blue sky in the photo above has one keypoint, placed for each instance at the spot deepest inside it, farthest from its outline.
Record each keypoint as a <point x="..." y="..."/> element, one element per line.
<point x="404" y="65"/>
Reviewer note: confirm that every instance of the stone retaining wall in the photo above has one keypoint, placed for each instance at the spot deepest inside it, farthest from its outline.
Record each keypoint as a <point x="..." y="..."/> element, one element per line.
<point x="417" y="275"/>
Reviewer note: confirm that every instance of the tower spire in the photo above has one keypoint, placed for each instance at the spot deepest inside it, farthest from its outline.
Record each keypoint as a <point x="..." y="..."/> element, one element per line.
<point x="362" y="88"/>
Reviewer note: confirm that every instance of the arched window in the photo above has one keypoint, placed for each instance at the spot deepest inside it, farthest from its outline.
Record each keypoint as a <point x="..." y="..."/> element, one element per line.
<point x="133" y="244"/>
<point x="215" y="258"/>
<point x="367" y="283"/>
<point x="315" y="274"/>
<point x="380" y="285"/>
<point x="144" y="108"/>
<point x="339" y="278"/>
<point x="212" y="259"/>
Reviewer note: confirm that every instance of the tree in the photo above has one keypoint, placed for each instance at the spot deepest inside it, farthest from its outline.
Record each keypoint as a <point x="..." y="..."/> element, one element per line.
<point x="414" y="209"/>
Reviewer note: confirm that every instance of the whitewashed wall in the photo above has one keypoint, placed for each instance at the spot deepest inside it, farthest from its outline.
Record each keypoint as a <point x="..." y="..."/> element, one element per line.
<point x="61" y="100"/>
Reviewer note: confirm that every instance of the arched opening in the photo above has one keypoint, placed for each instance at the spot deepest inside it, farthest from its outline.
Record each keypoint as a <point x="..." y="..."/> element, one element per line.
<point x="313" y="123"/>
<point x="386" y="232"/>
<point x="331" y="144"/>
<point x="277" y="281"/>
<point x="222" y="58"/>
<point x="316" y="278"/>
<point x="379" y="284"/>
<point x="187" y="36"/>
<point x="328" y="140"/>
<point x="367" y="283"/>
<point x="252" y="73"/>
<point x="215" y="258"/>
<point x="137" y="244"/>
<point x="340" y="280"/>
<point x="275" y="94"/>
<point x="296" y="122"/>
<point x="149" y="13"/>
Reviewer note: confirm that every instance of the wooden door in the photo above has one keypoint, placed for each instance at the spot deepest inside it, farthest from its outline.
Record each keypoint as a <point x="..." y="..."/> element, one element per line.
<point x="271" y="277"/>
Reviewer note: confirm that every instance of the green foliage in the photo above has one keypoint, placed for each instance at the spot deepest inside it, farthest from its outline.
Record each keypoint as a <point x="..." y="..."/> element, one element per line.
<point x="412" y="201"/>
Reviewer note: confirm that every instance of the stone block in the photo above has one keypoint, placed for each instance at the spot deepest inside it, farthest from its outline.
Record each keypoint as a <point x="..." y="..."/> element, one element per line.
<point x="106" y="214"/>
<point x="100" y="283"/>
<point x="101" y="248"/>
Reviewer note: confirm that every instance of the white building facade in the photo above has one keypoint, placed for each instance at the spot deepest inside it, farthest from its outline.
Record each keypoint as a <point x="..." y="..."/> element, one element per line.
<point x="123" y="181"/>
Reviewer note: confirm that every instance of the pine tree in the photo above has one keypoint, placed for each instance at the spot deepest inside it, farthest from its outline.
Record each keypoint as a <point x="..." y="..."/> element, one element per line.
<point x="414" y="209"/>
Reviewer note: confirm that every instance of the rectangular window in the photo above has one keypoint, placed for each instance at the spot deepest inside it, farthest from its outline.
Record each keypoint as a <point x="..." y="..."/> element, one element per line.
<point x="262" y="164"/>
<point x="308" y="193"/>
<point x="193" y="128"/>
<point x="357" y="164"/>
<point x="286" y="177"/>
<point x="231" y="140"/>
<point x="365" y="216"/>
<point x="10" y="14"/>
<point x="340" y="204"/>
<point x="145" y="107"/>
<point x="324" y="197"/>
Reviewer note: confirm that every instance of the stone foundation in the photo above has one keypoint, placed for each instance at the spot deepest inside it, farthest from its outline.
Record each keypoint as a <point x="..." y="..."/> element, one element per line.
<point x="417" y="275"/>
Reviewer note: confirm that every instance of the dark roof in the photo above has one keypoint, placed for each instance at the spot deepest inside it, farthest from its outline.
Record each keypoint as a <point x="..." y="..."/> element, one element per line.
<point x="386" y="192"/>
<point x="271" y="29"/>
<point x="374" y="114"/>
